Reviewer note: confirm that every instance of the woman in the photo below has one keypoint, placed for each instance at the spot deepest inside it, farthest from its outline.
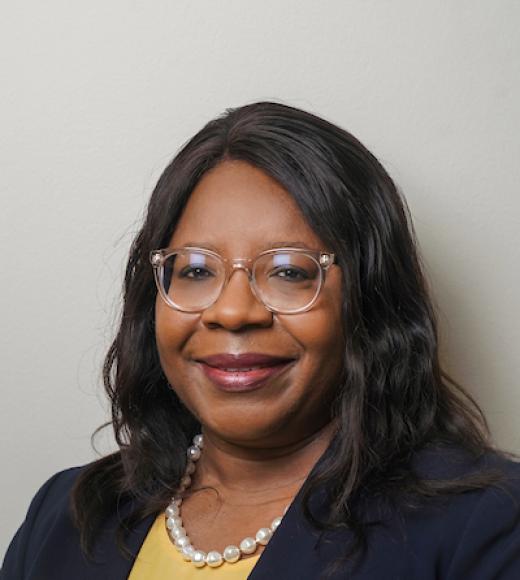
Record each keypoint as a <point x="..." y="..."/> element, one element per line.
<point x="276" y="391"/>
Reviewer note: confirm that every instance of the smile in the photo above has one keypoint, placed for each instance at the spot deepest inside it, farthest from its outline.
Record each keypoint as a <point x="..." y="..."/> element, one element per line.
<point x="243" y="379"/>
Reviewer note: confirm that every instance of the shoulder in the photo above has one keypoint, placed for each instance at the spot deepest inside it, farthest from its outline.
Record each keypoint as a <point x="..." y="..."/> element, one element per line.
<point x="471" y="533"/>
<point x="489" y="540"/>
<point x="475" y="533"/>
<point x="48" y="513"/>
<point x="443" y="461"/>
<point x="456" y="465"/>
<point x="53" y="495"/>
<point x="58" y="485"/>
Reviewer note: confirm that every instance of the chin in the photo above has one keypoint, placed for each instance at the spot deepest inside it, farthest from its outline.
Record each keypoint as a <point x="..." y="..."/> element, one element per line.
<point x="252" y="432"/>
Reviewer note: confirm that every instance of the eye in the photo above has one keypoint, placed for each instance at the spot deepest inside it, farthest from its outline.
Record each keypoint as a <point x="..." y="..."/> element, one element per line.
<point x="195" y="273"/>
<point x="290" y="274"/>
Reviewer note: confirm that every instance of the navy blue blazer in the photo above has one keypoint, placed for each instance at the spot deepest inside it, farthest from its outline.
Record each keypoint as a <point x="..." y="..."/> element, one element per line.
<point x="469" y="536"/>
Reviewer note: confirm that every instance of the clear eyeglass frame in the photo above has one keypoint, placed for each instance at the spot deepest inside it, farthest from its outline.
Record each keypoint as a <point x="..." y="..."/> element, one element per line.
<point x="324" y="260"/>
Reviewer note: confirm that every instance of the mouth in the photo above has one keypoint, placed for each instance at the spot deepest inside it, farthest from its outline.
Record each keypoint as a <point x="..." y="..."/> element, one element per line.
<point x="246" y="372"/>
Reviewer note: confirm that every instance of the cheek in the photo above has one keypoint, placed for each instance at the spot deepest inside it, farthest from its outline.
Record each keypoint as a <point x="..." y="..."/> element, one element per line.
<point x="322" y="328"/>
<point x="172" y="330"/>
<point x="320" y="334"/>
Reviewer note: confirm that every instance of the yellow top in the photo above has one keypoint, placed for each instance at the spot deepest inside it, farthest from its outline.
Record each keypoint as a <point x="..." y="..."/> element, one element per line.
<point x="158" y="559"/>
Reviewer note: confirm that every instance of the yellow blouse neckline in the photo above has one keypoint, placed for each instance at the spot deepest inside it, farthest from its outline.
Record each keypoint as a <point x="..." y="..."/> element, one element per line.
<point x="159" y="558"/>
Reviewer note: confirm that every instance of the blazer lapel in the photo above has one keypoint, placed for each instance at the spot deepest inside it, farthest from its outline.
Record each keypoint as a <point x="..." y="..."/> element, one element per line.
<point x="112" y="564"/>
<point x="298" y="550"/>
<point x="291" y="552"/>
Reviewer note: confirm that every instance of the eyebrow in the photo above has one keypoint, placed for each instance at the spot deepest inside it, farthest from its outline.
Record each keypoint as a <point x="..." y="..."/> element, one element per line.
<point x="272" y="245"/>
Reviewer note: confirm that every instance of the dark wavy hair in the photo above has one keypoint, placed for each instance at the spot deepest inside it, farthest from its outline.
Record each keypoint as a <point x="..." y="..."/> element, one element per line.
<point x="393" y="399"/>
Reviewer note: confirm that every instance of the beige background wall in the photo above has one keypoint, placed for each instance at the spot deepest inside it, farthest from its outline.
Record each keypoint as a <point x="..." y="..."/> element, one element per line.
<point x="97" y="96"/>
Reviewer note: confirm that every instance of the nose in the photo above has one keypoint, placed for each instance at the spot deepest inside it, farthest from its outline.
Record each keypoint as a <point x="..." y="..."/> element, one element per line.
<point x="237" y="306"/>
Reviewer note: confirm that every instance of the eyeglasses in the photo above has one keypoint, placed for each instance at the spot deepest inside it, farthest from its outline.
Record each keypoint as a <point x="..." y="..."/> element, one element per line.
<point x="285" y="280"/>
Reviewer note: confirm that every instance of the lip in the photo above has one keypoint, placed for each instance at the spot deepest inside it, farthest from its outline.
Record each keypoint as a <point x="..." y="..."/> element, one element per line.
<point x="244" y="360"/>
<point x="267" y="367"/>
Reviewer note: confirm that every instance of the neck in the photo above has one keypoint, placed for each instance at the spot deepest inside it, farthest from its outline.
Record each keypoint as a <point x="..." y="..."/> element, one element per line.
<point x="225" y="464"/>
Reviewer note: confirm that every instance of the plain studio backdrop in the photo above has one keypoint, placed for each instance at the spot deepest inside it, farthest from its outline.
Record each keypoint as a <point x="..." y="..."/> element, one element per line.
<point x="97" y="97"/>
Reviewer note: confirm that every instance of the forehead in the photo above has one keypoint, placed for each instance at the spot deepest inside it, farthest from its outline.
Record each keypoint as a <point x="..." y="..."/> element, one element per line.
<point x="238" y="209"/>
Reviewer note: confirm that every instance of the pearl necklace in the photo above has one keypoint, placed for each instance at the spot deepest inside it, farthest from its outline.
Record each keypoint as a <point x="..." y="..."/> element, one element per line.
<point x="182" y="542"/>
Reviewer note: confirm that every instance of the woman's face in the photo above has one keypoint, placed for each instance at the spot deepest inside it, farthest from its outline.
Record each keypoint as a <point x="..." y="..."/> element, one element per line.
<point x="239" y="211"/>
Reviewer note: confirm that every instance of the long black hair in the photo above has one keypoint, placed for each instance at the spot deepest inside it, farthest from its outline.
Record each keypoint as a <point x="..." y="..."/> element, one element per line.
<point x="393" y="398"/>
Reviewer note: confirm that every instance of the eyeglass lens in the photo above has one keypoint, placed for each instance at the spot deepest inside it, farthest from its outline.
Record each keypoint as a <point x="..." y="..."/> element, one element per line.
<point x="284" y="280"/>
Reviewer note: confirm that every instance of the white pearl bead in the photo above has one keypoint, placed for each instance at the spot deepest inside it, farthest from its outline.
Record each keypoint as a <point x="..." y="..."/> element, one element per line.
<point x="248" y="545"/>
<point x="177" y="501"/>
<point x="186" y="481"/>
<point x="173" y="522"/>
<point x="172" y="510"/>
<point x="199" y="558"/>
<point x="214" y="559"/>
<point x="187" y="552"/>
<point x="190" y="468"/>
<point x="286" y="509"/>
<point x="182" y="542"/>
<point x="198" y="440"/>
<point x="231" y="554"/>
<point x="193" y="453"/>
<point x="177" y="532"/>
<point x="263" y="536"/>
<point x="275" y="523"/>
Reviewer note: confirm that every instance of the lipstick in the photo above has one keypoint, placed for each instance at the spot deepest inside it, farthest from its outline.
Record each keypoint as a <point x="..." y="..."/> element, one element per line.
<point x="244" y="372"/>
